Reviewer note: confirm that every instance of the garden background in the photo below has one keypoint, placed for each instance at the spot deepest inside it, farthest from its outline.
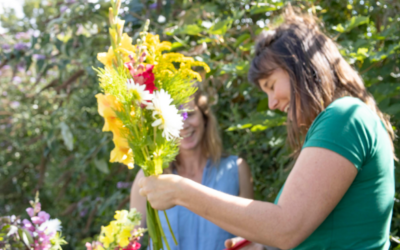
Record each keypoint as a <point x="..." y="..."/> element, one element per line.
<point x="50" y="131"/>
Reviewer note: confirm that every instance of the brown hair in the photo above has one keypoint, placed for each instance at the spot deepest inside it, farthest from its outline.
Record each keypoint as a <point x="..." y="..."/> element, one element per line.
<point x="318" y="72"/>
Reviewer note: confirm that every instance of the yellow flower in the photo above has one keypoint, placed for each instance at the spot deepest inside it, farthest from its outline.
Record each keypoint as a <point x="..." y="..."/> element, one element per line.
<point x="125" y="47"/>
<point x="106" y="58"/>
<point x="123" y="237"/>
<point x="122" y="153"/>
<point x="98" y="247"/>
<point x="107" y="232"/>
<point x="121" y="216"/>
<point x="107" y="105"/>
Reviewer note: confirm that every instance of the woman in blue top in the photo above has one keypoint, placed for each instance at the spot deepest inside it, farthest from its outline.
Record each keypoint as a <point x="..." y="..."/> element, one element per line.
<point x="340" y="192"/>
<point x="200" y="161"/>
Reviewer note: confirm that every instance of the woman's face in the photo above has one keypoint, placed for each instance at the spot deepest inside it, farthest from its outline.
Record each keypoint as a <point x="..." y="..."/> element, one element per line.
<point x="193" y="128"/>
<point x="277" y="87"/>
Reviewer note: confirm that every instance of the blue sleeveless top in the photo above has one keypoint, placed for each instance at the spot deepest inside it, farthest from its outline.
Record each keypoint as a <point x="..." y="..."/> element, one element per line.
<point x="192" y="231"/>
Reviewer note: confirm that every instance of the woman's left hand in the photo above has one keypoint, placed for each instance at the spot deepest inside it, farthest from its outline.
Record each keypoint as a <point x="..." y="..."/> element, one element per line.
<point x="161" y="191"/>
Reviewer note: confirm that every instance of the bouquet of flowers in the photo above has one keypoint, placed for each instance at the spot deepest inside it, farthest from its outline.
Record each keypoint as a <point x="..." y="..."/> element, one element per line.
<point x="120" y="234"/>
<point x="38" y="233"/>
<point x="145" y="90"/>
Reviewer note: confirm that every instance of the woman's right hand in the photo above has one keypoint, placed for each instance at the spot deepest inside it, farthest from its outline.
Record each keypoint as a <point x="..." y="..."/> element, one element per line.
<point x="232" y="242"/>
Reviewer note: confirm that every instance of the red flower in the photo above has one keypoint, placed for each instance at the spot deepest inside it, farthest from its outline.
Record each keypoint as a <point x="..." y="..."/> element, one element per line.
<point x="146" y="77"/>
<point x="132" y="246"/>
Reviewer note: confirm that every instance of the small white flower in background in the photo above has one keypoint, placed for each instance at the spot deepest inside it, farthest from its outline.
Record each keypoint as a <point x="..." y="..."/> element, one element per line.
<point x="139" y="91"/>
<point x="51" y="226"/>
<point x="166" y="115"/>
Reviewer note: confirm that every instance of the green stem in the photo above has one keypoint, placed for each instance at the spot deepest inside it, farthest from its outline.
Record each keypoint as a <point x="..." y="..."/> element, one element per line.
<point x="170" y="228"/>
<point x="161" y="229"/>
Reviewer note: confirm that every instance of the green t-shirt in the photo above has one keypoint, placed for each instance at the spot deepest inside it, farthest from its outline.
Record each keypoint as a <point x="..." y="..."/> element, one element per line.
<point x="362" y="218"/>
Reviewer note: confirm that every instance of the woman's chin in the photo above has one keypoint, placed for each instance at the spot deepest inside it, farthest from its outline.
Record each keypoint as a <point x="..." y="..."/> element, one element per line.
<point x="189" y="143"/>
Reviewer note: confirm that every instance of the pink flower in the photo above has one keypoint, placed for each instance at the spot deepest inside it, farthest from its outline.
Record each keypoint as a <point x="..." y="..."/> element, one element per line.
<point x="88" y="246"/>
<point x="38" y="207"/>
<point x="132" y="246"/>
<point x="30" y="211"/>
<point x="28" y="225"/>
<point x="44" y="216"/>
<point x="37" y="220"/>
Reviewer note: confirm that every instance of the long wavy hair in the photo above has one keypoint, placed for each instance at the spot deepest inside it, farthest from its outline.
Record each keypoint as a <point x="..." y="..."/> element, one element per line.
<point x="318" y="72"/>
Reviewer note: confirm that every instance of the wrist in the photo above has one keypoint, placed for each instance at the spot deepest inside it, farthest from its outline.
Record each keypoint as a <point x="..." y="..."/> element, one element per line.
<point x="181" y="187"/>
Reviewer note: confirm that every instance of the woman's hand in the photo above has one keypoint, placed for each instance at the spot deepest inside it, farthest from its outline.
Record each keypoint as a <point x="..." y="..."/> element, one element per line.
<point x="161" y="191"/>
<point x="253" y="246"/>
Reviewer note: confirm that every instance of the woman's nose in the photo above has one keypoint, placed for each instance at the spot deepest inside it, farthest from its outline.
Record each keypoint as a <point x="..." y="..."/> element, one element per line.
<point x="272" y="103"/>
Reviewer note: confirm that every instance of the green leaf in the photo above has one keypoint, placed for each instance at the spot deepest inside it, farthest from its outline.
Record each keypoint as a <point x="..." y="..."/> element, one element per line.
<point x="351" y="24"/>
<point x="241" y="39"/>
<point x="101" y="165"/>
<point x="25" y="236"/>
<point x="191" y="29"/>
<point x="256" y="9"/>
<point x="67" y="136"/>
<point x="221" y="27"/>
<point x="262" y="105"/>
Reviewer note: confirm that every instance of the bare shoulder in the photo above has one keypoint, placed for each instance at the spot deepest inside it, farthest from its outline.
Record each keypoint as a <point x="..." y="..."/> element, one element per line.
<point x="242" y="165"/>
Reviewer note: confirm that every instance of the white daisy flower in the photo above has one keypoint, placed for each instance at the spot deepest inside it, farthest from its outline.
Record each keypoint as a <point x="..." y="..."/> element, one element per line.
<point x="166" y="115"/>
<point x="139" y="91"/>
<point x="51" y="226"/>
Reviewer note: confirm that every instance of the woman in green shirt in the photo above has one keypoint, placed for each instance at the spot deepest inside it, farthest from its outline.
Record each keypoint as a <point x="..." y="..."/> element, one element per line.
<point x="339" y="194"/>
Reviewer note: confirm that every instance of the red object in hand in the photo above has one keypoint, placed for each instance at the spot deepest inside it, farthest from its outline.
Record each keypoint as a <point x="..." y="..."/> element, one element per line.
<point x="239" y="245"/>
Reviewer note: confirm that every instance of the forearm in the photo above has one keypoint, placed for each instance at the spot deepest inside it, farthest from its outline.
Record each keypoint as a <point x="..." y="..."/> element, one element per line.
<point x="256" y="221"/>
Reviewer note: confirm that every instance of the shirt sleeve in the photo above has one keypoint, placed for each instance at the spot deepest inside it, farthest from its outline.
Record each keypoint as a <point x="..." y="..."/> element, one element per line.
<point x="345" y="129"/>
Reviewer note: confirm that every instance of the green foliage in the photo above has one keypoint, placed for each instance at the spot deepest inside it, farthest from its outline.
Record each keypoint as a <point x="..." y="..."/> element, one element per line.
<point x="74" y="175"/>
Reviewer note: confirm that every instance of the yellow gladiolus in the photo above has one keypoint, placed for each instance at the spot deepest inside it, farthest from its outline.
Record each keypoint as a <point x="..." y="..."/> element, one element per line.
<point x="106" y="58"/>
<point x="125" y="47"/>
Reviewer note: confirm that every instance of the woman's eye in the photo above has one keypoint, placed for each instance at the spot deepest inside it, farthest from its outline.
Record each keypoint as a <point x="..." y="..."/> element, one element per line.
<point x="272" y="87"/>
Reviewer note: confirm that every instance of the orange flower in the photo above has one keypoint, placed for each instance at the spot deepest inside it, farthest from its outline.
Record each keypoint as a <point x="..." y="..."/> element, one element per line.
<point x="108" y="104"/>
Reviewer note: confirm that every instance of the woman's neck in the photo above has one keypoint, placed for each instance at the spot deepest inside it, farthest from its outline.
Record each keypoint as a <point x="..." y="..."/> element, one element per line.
<point x="191" y="163"/>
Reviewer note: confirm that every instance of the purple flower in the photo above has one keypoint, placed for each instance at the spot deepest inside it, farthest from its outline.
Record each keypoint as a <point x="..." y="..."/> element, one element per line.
<point x="30" y="211"/>
<point x="5" y="93"/>
<point x="184" y="115"/>
<point x="153" y="6"/>
<point x="44" y="216"/>
<point x="28" y="225"/>
<point x="6" y="46"/>
<point x="14" y="104"/>
<point x="21" y="46"/>
<point x="83" y="212"/>
<point x="63" y="8"/>
<point x="39" y="57"/>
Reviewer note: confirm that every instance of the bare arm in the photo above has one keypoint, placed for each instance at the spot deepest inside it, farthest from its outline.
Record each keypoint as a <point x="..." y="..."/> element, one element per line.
<point x="137" y="201"/>
<point x="245" y="179"/>
<point x="315" y="186"/>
